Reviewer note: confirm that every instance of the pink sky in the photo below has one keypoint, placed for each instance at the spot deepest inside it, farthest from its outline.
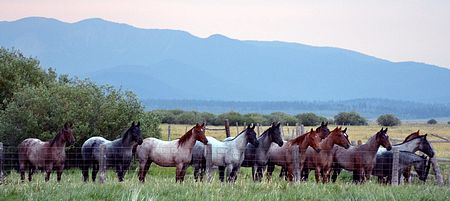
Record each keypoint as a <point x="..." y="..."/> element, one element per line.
<point x="397" y="30"/>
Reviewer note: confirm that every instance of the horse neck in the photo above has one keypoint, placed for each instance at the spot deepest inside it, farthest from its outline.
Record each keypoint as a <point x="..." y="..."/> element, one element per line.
<point x="264" y="142"/>
<point x="127" y="142"/>
<point x="327" y="143"/>
<point x="411" y="146"/>
<point x="240" y="141"/>
<point x="190" y="142"/>
<point x="58" y="141"/>
<point x="371" y="144"/>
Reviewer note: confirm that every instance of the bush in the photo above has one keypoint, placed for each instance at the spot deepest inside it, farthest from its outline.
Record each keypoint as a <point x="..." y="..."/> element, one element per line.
<point x="282" y="117"/>
<point x="257" y="118"/>
<point x="448" y="122"/>
<point x="310" y="119"/>
<point x="349" y="118"/>
<point x="232" y="117"/>
<point x="432" y="121"/>
<point x="388" y="120"/>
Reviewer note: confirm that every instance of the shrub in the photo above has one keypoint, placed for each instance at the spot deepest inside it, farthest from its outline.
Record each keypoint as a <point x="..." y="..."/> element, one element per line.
<point x="282" y="117"/>
<point x="388" y="120"/>
<point x="310" y="119"/>
<point x="432" y="121"/>
<point x="349" y="118"/>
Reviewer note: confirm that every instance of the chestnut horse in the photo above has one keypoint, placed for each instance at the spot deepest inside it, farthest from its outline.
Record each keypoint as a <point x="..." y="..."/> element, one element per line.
<point x="321" y="162"/>
<point x="34" y="153"/>
<point x="276" y="154"/>
<point x="175" y="153"/>
<point x="360" y="159"/>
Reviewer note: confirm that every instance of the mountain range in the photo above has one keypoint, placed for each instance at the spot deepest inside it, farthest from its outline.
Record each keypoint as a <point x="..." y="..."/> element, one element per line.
<point x="172" y="64"/>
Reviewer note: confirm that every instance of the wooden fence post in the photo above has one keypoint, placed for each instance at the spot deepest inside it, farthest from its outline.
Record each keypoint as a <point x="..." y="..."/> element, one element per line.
<point x="353" y="142"/>
<point x="102" y="163"/>
<point x="287" y="126"/>
<point x="437" y="172"/>
<point x="168" y="132"/>
<point x="302" y="129"/>
<point x="395" y="166"/>
<point x="296" y="160"/>
<point x="237" y="128"/>
<point x="257" y="125"/>
<point x="208" y="156"/>
<point x="448" y="179"/>
<point x="359" y="142"/>
<point x="1" y="163"/>
<point x="227" y="128"/>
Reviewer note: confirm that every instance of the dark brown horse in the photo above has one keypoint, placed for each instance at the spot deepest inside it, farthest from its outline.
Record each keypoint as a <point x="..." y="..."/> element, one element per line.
<point x="321" y="162"/>
<point x="34" y="153"/>
<point x="360" y="159"/>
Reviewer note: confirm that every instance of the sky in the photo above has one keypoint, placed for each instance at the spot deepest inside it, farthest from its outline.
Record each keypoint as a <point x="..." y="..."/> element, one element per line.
<point x="396" y="30"/>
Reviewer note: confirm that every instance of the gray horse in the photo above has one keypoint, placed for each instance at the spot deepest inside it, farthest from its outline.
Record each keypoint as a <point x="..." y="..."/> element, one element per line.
<point x="383" y="165"/>
<point x="118" y="152"/>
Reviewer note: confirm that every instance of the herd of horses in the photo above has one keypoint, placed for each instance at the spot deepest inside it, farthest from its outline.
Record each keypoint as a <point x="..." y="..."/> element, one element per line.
<point x="324" y="151"/>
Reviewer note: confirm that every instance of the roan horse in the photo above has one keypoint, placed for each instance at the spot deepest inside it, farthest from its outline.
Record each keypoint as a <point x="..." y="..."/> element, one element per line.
<point x="227" y="155"/>
<point x="175" y="153"/>
<point x="276" y="155"/>
<point x="257" y="157"/>
<point x="285" y="158"/>
<point x="359" y="159"/>
<point x="118" y="152"/>
<point x="321" y="162"/>
<point x="34" y="153"/>
<point x="383" y="166"/>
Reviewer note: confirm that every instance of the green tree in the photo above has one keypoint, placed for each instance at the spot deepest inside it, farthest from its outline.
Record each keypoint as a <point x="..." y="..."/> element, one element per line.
<point x="349" y="118"/>
<point x="388" y="120"/>
<point x="310" y="119"/>
<point x="432" y="121"/>
<point x="282" y="118"/>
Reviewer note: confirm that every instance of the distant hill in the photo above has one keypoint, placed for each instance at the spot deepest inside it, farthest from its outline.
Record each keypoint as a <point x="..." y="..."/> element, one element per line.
<point x="170" y="64"/>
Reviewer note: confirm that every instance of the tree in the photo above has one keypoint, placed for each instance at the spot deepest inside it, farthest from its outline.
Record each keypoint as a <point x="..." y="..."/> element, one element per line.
<point x="432" y="121"/>
<point x="282" y="118"/>
<point x="232" y="117"/>
<point x="388" y="120"/>
<point x="349" y="118"/>
<point x="310" y="119"/>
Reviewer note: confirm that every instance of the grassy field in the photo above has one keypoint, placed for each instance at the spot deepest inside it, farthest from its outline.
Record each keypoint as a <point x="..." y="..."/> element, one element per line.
<point x="160" y="184"/>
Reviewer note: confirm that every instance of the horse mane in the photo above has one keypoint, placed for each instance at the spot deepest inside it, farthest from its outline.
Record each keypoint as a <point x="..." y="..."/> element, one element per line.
<point x="412" y="136"/>
<point x="298" y="140"/>
<point x="125" y="135"/>
<point x="231" y="139"/>
<point x="57" y="136"/>
<point x="183" y="139"/>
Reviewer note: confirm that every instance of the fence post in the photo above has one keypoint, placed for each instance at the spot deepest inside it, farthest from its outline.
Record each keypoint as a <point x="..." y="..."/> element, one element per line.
<point x="168" y="132"/>
<point x="102" y="163"/>
<point x="437" y="172"/>
<point x="1" y="163"/>
<point x="395" y="160"/>
<point x="353" y="142"/>
<point x="208" y="156"/>
<point x="359" y="142"/>
<point x="257" y="125"/>
<point x="302" y="129"/>
<point x="227" y="128"/>
<point x="295" y="160"/>
<point x="448" y="178"/>
<point x="237" y="128"/>
<point x="287" y="126"/>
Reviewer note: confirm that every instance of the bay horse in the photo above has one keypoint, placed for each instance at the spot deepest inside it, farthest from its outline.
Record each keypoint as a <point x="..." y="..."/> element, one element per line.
<point x="383" y="165"/>
<point x="34" y="153"/>
<point x="257" y="157"/>
<point x="360" y="159"/>
<point x="284" y="156"/>
<point x="321" y="162"/>
<point x="227" y="155"/>
<point x="118" y="153"/>
<point x="176" y="153"/>
<point x="276" y="153"/>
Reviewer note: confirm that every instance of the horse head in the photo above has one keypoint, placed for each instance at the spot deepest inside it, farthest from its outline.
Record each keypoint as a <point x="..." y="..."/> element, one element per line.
<point x="425" y="147"/>
<point x="340" y="138"/>
<point x="422" y="168"/>
<point x="199" y="133"/>
<point x="313" y="140"/>
<point x="135" y="132"/>
<point x="275" y="134"/>
<point x="382" y="139"/>
<point x="323" y="130"/>
<point x="251" y="135"/>
<point x="67" y="133"/>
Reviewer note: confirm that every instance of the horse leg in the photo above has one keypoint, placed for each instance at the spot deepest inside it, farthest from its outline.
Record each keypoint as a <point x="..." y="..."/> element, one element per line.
<point x="336" y="172"/>
<point x="95" y="167"/>
<point x="254" y="172"/>
<point x="317" y="174"/>
<point x="119" y="170"/>
<point x="31" y="171"/>
<point x="144" y="166"/>
<point x="290" y="172"/>
<point x="270" y="169"/>
<point x="178" y="176"/>
<point x="183" y="172"/>
<point x="221" y="173"/>
<point x="304" y="174"/>
<point x="22" y="166"/>
<point x="48" y="171"/>
<point x="85" y="169"/>
<point x="229" y="169"/>
<point x="196" y="172"/>
<point x="235" y="173"/>
<point x="59" y="172"/>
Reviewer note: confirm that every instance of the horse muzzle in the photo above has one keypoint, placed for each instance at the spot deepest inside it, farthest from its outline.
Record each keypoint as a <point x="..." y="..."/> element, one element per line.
<point x="256" y="144"/>
<point x="280" y="144"/>
<point x="318" y="150"/>
<point x="389" y="148"/>
<point x="205" y="142"/>
<point x="140" y="141"/>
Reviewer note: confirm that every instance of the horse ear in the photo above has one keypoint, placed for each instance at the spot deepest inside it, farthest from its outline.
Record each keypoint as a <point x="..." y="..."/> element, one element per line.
<point x="345" y="130"/>
<point x="273" y="124"/>
<point x="381" y="129"/>
<point x="312" y="130"/>
<point x="203" y="124"/>
<point x="249" y="126"/>
<point x="326" y="124"/>
<point x="197" y="125"/>
<point x="138" y="124"/>
<point x="385" y="130"/>
<point x="66" y="125"/>
<point x="254" y="125"/>
<point x="133" y="124"/>
<point x="322" y="124"/>
<point x="279" y="123"/>
<point x="71" y="125"/>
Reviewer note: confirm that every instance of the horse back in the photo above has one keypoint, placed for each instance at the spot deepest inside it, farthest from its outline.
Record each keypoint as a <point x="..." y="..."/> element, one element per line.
<point x="34" y="151"/>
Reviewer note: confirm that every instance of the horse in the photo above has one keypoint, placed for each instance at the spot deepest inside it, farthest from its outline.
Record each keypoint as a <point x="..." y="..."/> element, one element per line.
<point x="34" y="153"/>
<point x="361" y="158"/>
<point x="227" y="155"/>
<point x="321" y="162"/>
<point x="118" y="153"/>
<point x="176" y="153"/>
<point x="412" y="143"/>
<point x="276" y="154"/>
<point x="257" y="157"/>
<point x="383" y="165"/>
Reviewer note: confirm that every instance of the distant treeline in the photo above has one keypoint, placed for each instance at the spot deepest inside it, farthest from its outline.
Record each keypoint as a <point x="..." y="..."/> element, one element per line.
<point x="369" y="108"/>
<point x="307" y="119"/>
